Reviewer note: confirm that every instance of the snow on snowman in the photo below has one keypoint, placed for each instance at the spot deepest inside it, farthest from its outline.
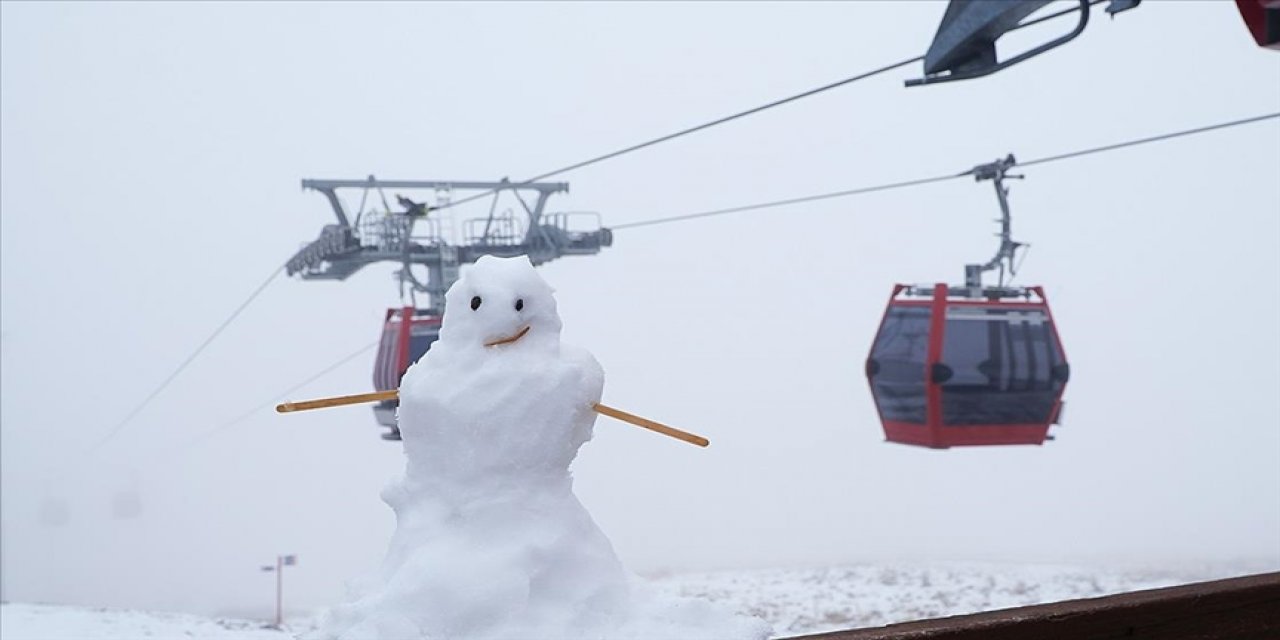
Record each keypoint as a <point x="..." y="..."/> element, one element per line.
<point x="490" y="540"/>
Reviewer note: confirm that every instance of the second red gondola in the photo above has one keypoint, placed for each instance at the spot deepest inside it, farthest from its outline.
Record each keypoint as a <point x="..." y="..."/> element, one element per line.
<point x="407" y="333"/>
<point x="949" y="370"/>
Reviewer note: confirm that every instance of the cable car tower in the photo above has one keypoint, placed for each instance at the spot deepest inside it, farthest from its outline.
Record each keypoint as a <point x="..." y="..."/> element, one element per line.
<point x="973" y="364"/>
<point x="421" y="234"/>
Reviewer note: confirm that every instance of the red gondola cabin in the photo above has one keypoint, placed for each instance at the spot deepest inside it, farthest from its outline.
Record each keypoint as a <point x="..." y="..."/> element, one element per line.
<point x="1262" y="17"/>
<point x="402" y="344"/>
<point x="947" y="369"/>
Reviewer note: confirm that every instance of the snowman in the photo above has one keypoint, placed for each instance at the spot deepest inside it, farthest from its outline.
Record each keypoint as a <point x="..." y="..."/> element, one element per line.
<point x="490" y="540"/>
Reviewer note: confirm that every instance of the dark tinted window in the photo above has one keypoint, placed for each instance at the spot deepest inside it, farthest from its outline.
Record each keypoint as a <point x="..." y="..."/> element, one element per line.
<point x="1001" y="362"/>
<point x="419" y="343"/>
<point x="897" y="364"/>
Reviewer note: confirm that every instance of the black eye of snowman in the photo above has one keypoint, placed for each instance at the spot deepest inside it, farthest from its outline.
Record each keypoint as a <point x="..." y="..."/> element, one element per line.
<point x="519" y="304"/>
<point x="475" y="302"/>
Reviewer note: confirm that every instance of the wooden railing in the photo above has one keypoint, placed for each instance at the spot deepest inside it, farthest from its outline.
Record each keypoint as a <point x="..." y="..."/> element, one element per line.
<point x="1245" y="608"/>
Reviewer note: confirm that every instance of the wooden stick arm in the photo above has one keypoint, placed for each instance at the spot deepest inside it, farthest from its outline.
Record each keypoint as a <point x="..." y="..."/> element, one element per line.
<point x="646" y="423"/>
<point x="338" y="401"/>
<point x="604" y="410"/>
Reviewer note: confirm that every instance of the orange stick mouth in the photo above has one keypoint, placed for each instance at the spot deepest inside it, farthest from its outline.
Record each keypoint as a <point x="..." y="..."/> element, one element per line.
<point x="508" y="340"/>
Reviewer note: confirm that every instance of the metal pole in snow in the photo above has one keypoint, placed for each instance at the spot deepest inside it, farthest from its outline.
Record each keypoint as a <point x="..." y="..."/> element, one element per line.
<point x="279" y="590"/>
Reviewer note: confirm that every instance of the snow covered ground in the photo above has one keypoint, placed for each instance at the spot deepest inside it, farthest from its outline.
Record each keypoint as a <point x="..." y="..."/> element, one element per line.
<point x="56" y="622"/>
<point x="794" y="601"/>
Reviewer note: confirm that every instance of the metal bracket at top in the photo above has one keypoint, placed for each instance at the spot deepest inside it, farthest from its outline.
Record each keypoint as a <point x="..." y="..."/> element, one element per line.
<point x="964" y="46"/>
<point x="997" y="172"/>
<point x="994" y="170"/>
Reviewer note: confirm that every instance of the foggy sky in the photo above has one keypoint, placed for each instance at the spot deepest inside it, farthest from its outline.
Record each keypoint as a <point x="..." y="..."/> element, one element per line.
<point x="150" y="158"/>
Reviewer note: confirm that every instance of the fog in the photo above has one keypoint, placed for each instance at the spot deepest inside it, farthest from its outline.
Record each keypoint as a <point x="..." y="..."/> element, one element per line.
<point x="150" y="159"/>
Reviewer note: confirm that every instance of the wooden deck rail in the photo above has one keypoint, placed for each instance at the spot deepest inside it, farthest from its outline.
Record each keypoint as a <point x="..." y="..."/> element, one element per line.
<point x="1245" y="608"/>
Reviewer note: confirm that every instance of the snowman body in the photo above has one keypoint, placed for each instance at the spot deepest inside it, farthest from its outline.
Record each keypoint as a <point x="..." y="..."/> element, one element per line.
<point x="489" y="535"/>
<point x="490" y="540"/>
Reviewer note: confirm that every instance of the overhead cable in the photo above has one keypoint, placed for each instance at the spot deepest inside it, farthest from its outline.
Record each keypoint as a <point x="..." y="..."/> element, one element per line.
<point x="577" y="165"/>
<point x="694" y="129"/>
<point x="1165" y="136"/>
<point x="923" y="181"/>
<point x="779" y="203"/>
<point x="811" y="198"/>
<point x="804" y="94"/>
<point x="283" y="395"/>
<point x="185" y="363"/>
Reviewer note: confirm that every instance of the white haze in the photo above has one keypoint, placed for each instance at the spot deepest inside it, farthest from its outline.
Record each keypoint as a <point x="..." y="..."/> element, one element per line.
<point x="150" y="156"/>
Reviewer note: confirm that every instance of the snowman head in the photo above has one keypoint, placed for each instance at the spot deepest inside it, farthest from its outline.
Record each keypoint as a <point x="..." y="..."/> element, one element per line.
<point x="500" y="304"/>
